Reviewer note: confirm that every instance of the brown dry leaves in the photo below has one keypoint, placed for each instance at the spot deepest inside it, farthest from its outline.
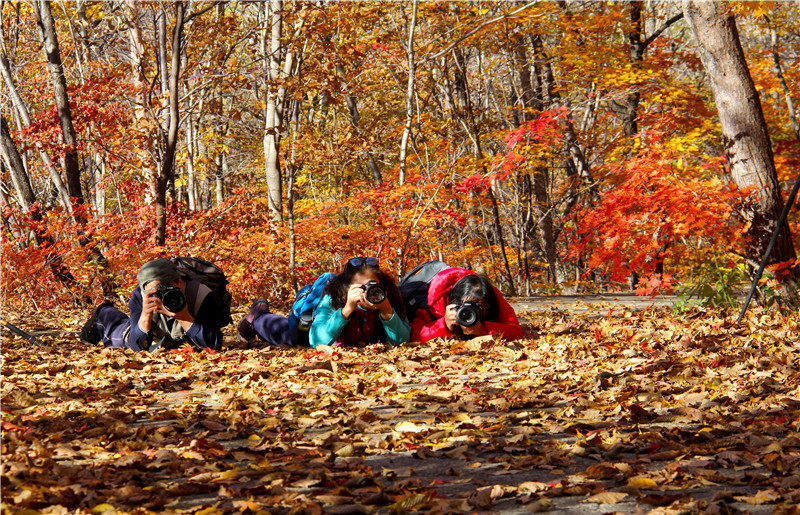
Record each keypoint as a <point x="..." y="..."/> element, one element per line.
<point x="645" y="412"/>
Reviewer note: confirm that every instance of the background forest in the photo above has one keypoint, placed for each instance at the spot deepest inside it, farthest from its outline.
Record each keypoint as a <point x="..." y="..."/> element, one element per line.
<point x="554" y="146"/>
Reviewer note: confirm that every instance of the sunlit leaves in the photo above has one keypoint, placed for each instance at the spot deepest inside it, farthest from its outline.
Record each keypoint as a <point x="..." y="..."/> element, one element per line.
<point x="641" y="409"/>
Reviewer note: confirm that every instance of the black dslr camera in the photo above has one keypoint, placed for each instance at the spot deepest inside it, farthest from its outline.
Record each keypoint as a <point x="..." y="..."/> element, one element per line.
<point x="468" y="314"/>
<point x="374" y="292"/>
<point x="172" y="297"/>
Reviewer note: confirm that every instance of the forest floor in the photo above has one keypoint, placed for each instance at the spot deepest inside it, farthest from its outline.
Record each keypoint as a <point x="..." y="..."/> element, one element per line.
<point x="633" y="409"/>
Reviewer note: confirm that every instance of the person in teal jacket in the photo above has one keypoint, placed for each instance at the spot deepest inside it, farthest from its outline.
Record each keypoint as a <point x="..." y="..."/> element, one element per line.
<point x="361" y="305"/>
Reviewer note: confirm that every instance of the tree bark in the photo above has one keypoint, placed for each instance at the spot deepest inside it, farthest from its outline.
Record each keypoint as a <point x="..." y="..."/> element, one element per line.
<point x="171" y="143"/>
<point x="412" y="72"/>
<point x="272" y="122"/>
<point x="71" y="165"/>
<point x="747" y="144"/>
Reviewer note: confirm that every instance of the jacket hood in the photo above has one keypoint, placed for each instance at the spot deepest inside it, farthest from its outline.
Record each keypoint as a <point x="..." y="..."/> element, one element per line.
<point x="439" y="291"/>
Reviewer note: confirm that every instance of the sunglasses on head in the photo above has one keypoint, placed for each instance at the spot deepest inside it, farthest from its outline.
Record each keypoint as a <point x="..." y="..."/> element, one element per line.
<point x="370" y="261"/>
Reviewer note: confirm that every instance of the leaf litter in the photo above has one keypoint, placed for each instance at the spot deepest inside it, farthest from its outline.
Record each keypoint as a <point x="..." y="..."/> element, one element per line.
<point x="642" y="412"/>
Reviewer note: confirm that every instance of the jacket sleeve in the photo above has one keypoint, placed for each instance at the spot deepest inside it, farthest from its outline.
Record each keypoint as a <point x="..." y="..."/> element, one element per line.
<point x="327" y="325"/>
<point x="205" y="331"/>
<point x="507" y="322"/>
<point x="138" y="339"/>
<point x="424" y="327"/>
<point x="397" y="329"/>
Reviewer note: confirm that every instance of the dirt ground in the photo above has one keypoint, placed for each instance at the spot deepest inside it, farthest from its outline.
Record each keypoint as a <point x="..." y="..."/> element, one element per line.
<point x="612" y="404"/>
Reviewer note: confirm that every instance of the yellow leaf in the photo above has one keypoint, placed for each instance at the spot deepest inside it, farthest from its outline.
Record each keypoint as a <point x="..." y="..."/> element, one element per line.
<point x="409" y="427"/>
<point x="642" y="482"/>
<point x="102" y="508"/>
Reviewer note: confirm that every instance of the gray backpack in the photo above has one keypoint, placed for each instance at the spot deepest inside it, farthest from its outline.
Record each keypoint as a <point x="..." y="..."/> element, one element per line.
<point x="414" y="286"/>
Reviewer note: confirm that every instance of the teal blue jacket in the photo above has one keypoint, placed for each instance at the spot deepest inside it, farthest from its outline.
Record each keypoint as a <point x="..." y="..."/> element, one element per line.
<point x="364" y="326"/>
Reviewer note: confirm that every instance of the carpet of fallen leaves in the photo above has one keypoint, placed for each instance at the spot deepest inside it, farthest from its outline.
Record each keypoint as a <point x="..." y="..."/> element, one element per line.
<point x="640" y="412"/>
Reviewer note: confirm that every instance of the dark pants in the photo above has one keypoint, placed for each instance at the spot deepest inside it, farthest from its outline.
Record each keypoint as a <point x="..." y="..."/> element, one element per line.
<point x="113" y="326"/>
<point x="273" y="329"/>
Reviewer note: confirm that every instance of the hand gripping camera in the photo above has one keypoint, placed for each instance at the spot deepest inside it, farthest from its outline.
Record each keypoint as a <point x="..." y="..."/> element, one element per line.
<point x="468" y="314"/>
<point x="374" y="292"/>
<point x="172" y="297"/>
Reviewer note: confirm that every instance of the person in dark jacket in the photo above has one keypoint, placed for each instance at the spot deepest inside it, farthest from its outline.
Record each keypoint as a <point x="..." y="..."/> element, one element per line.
<point x="151" y="324"/>
<point x="450" y="290"/>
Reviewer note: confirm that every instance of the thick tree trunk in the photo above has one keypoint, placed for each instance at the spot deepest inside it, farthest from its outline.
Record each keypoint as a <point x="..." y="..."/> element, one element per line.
<point x="539" y="198"/>
<point x="747" y="144"/>
<point x="140" y="86"/>
<point x="10" y="222"/>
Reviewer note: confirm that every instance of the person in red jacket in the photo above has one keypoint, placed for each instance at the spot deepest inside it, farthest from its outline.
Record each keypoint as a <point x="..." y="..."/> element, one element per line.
<point x="462" y="303"/>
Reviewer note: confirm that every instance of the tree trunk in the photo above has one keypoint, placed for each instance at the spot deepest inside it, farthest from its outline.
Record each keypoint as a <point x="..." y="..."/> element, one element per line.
<point x="168" y="164"/>
<point x="190" y="151"/>
<point x="272" y="122"/>
<point x="747" y="144"/>
<point x="219" y="176"/>
<point x="71" y="159"/>
<point x="412" y="72"/>
<point x="71" y="164"/>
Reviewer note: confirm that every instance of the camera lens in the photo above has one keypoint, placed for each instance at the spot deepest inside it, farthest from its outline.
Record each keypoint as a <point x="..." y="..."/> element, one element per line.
<point x="374" y="293"/>
<point x="172" y="297"/>
<point x="468" y="314"/>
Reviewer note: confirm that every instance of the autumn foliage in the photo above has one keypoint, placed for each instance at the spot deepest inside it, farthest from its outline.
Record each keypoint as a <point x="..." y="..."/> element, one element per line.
<point x="541" y="153"/>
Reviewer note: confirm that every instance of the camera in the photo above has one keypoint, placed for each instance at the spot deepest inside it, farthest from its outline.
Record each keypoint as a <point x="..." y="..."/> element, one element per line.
<point x="468" y="314"/>
<point x="172" y="297"/>
<point x="374" y="292"/>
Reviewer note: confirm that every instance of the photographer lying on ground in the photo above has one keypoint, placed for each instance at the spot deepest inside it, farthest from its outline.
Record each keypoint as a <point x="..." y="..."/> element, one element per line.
<point x="464" y="304"/>
<point x="360" y="305"/>
<point x="166" y="310"/>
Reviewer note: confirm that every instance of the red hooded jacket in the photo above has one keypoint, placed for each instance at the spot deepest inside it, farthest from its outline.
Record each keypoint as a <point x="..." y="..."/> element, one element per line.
<point x="425" y="328"/>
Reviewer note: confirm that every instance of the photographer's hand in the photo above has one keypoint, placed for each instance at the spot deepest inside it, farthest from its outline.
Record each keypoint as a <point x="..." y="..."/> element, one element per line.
<point x="450" y="318"/>
<point x="183" y="317"/>
<point x="150" y="304"/>
<point x="355" y="296"/>
<point x="475" y="330"/>
<point x="384" y="307"/>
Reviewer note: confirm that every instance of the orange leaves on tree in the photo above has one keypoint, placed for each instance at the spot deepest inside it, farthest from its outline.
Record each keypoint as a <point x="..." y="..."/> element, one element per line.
<point x="526" y="141"/>
<point x="657" y="210"/>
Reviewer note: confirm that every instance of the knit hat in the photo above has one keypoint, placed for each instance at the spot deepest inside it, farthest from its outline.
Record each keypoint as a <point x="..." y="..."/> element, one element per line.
<point x="160" y="269"/>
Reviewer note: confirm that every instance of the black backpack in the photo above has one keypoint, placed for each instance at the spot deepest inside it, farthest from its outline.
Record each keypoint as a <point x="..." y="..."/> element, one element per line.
<point x="213" y="277"/>
<point x="414" y="286"/>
